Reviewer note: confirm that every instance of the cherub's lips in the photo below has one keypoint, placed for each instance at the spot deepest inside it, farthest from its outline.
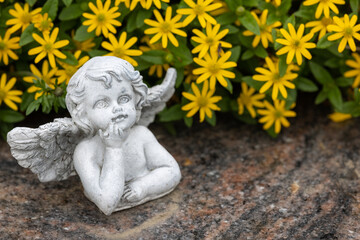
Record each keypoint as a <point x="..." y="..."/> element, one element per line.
<point x="119" y="117"/>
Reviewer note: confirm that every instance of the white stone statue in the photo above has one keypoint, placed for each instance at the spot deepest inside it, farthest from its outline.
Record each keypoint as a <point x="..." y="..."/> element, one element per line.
<point x="106" y="142"/>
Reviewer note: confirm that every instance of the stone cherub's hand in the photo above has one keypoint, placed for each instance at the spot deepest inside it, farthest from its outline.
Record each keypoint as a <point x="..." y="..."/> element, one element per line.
<point x="133" y="192"/>
<point x="112" y="136"/>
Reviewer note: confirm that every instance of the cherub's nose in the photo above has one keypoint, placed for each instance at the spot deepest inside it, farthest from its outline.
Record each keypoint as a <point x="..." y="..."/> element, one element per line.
<point x="117" y="109"/>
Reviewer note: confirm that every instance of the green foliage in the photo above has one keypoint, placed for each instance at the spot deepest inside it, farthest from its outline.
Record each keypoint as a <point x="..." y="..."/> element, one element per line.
<point x="322" y="74"/>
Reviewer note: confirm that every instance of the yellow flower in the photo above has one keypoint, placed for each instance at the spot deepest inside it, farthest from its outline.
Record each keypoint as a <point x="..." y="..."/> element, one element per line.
<point x="159" y="69"/>
<point x="319" y="26"/>
<point x="354" y="72"/>
<point x="339" y="117"/>
<point x="68" y="70"/>
<point x="164" y="29"/>
<point x="276" y="3"/>
<point x="272" y="77"/>
<point x="204" y="101"/>
<point x="221" y="10"/>
<point x="6" y="44"/>
<point x="22" y="17"/>
<point x="103" y="18"/>
<point x="83" y="46"/>
<point x="199" y="10"/>
<point x="188" y="72"/>
<point x="248" y="99"/>
<point x="48" y="47"/>
<point x="126" y="2"/>
<point x="209" y="41"/>
<point x="324" y="6"/>
<point x="275" y="115"/>
<point x="157" y="3"/>
<point x="43" y="22"/>
<point x="121" y="48"/>
<point x="265" y="30"/>
<point x="7" y="95"/>
<point x="47" y="76"/>
<point x="214" y="67"/>
<point x="295" y="44"/>
<point x="345" y="29"/>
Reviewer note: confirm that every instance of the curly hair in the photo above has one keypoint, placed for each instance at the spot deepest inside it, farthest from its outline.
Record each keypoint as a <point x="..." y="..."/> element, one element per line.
<point x="103" y="69"/>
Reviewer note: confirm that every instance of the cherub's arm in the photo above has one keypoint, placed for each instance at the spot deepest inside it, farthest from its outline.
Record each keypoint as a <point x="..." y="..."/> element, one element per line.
<point x="104" y="185"/>
<point x="164" y="170"/>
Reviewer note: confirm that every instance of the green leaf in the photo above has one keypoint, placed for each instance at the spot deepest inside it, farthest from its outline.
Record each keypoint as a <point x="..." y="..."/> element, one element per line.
<point x="324" y="43"/>
<point x="5" y="128"/>
<point x="249" y="22"/>
<point x="226" y="18"/>
<point x="27" y="98"/>
<point x="26" y="36"/>
<point x="212" y="120"/>
<point x="82" y="34"/>
<point x="182" y="55"/>
<point x="72" y="12"/>
<point x="229" y="86"/>
<point x="260" y="51"/>
<point x="284" y="7"/>
<point x="306" y="12"/>
<point x="70" y="59"/>
<point x="154" y="56"/>
<point x="247" y="55"/>
<point x="320" y="73"/>
<point x="131" y="21"/>
<point x="344" y="82"/>
<point x="179" y="77"/>
<point x="305" y="85"/>
<point x="10" y="116"/>
<point x="94" y="53"/>
<point x="51" y="7"/>
<point x="322" y="96"/>
<point x="291" y="20"/>
<point x="335" y="98"/>
<point x="173" y="113"/>
<point x="250" y="3"/>
<point x="282" y="65"/>
<point x="141" y="16"/>
<point x="252" y="83"/>
<point x="354" y="6"/>
<point x="67" y="2"/>
<point x="235" y="53"/>
<point x="188" y="121"/>
<point x="232" y="29"/>
<point x="34" y="106"/>
<point x="31" y="2"/>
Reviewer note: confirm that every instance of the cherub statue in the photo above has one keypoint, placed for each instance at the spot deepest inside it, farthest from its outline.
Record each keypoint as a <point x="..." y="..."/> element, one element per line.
<point x="106" y="141"/>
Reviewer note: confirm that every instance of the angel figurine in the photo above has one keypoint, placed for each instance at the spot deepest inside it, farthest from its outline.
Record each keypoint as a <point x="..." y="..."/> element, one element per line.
<point x="106" y="141"/>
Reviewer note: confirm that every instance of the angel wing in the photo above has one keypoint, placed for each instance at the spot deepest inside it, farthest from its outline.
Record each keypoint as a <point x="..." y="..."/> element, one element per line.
<point x="157" y="98"/>
<point x="46" y="150"/>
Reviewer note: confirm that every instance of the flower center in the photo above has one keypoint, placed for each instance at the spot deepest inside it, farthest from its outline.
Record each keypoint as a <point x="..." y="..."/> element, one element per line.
<point x="213" y="68"/>
<point x="209" y="41"/>
<point x="297" y="43"/>
<point x="2" y="94"/>
<point x="166" y="27"/>
<point x="48" y="47"/>
<point x="119" y="52"/>
<point x="324" y="1"/>
<point x="202" y="101"/>
<point x="348" y="32"/>
<point x="326" y="21"/>
<point x="278" y="114"/>
<point x="245" y="99"/>
<point x="262" y="28"/>
<point x="101" y="17"/>
<point x="276" y="77"/>
<point x="26" y="18"/>
<point x="199" y="10"/>
<point x="2" y="45"/>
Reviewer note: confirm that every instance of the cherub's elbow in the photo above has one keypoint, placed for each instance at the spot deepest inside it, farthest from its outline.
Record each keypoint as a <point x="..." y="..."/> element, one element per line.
<point x="176" y="174"/>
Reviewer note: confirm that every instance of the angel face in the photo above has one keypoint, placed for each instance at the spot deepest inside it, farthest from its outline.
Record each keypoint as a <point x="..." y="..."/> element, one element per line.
<point x="115" y="104"/>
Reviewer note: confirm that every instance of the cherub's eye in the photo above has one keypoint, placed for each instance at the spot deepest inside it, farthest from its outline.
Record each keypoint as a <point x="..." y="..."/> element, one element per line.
<point x="101" y="104"/>
<point x="124" y="99"/>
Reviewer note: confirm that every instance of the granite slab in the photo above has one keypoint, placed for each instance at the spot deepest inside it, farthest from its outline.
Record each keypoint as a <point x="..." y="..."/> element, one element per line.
<point x="238" y="183"/>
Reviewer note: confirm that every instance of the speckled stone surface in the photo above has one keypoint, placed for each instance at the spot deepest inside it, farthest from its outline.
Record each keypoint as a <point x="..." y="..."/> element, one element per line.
<point x="238" y="183"/>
